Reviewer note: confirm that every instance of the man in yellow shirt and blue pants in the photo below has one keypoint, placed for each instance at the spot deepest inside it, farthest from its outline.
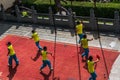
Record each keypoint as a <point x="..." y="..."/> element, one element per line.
<point x="84" y="44"/>
<point x="45" y="60"/>
<point x="11" y="54"/>
<point x="36" y="39"/>
<point x="91" y="68"/>
<point x="79" y="29"/>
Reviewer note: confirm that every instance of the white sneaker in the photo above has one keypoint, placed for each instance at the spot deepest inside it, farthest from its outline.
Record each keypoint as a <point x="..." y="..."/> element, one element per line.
<point x="51" y="69"/>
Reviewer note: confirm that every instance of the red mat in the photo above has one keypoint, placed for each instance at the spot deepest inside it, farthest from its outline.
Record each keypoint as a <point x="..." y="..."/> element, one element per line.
<point x="66" y="62"/>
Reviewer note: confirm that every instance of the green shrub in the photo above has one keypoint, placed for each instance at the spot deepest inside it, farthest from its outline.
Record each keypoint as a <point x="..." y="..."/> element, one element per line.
<point x="105" y="10"/>
<point x="116" y="1"/>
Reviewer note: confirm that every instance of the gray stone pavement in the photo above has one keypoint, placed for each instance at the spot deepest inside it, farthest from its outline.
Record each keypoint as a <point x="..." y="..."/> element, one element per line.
<point x="108" y="40"/>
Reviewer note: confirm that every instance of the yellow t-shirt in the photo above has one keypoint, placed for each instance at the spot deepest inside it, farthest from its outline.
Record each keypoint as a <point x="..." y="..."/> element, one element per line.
<point x="84" y="43"/>
<point x="79" y="29"/>
<point x="24" y="13"/>
<point x="35" y="37"/>
<point x="90" y="66"/>
<point x="12" y="52"/>
<point x="44" y="55"/>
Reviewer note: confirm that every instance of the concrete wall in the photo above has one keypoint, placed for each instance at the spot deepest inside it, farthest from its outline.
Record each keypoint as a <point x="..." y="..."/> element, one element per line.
<point x="7" y="3"/>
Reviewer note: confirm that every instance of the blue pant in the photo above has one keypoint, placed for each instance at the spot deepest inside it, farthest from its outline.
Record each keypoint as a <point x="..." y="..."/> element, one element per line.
<point x="80" y="37"/>
<point x="12" y="57"/>
<point x="45" y="63"/>
<point x="85" y="53"/>
<point x="93" y="76"/>
<point x="38" y="45"/>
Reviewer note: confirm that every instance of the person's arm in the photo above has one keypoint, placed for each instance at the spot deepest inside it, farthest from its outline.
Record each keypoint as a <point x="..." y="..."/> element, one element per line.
<point x="49" y="53"/>
<point x="8" y="52"/>
<point x="83" y="28"/>
<point x="96" y="61"/>
<point x="31" y="37"/>
<point x="90" y="39"/>
<point x="76" y="30"/>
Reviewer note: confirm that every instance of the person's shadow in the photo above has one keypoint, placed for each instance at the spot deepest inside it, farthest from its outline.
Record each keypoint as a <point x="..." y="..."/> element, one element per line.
<point x="46" y="76"/>
<point x="37" y="56"/>
<point x="56" y="78"/>
<point x="12" y="72"/>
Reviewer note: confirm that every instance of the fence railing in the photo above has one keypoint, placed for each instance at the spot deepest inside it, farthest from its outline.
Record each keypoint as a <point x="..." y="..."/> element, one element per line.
<point x="90" y="22"/>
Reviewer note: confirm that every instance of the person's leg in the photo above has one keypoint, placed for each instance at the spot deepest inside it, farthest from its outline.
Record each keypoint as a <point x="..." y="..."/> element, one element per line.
<point x="93" y="75"/>
<point x="80" y="37"/>
<point x="90" y="78"/>
<point x="49" y="64"/>
<point x="86" y="53"/>
<point x="38" y="45"/>
<point x="43" y="65"/>
<point x="10" y="60"/>
<point x="16" y="60"/>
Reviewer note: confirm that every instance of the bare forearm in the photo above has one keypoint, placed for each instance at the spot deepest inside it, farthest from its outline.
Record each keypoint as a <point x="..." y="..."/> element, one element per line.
<point x="96" y="61"/>
<point x="49" y="53"/>
<point x="90" y="39"/>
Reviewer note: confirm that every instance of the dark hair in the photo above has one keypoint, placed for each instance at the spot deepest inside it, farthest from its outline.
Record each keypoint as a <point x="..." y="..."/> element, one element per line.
<point x="33" y="31"/>
<point x="8" y="43"/>
<point x="90" y="58"/>
<point x="84" y="36"/>
<point x="78" y="22"/>
<point x="45" y="48"/>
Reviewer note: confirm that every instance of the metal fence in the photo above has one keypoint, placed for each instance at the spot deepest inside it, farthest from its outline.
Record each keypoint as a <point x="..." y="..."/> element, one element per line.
<point x="91" y="22"/>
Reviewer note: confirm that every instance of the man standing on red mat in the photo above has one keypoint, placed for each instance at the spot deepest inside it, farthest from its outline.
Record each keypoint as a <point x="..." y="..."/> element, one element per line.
<point x="91" y="68"/>
<point x="84" y="44"/>
<point x="45" y="60"/>
<point x="11" y="54"/>
<point x="36" y="39"/>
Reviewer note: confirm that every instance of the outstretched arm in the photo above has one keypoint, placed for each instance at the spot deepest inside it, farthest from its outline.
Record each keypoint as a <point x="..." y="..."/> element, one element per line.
<point x="49" y="53"/>
<point x="90" y="39"/>
<point x="96" y="61"/>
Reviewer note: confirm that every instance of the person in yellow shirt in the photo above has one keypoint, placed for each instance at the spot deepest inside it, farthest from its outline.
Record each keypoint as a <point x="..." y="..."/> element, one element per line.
<point x="91" y="68"/>
<point x="45" y="60"/>
<point x="24" y="13"/>
<point x="36" y="38"/>
<point x="11" y="54"/>
<point x="79" y="29"/>
<point x="84" y="45"/>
